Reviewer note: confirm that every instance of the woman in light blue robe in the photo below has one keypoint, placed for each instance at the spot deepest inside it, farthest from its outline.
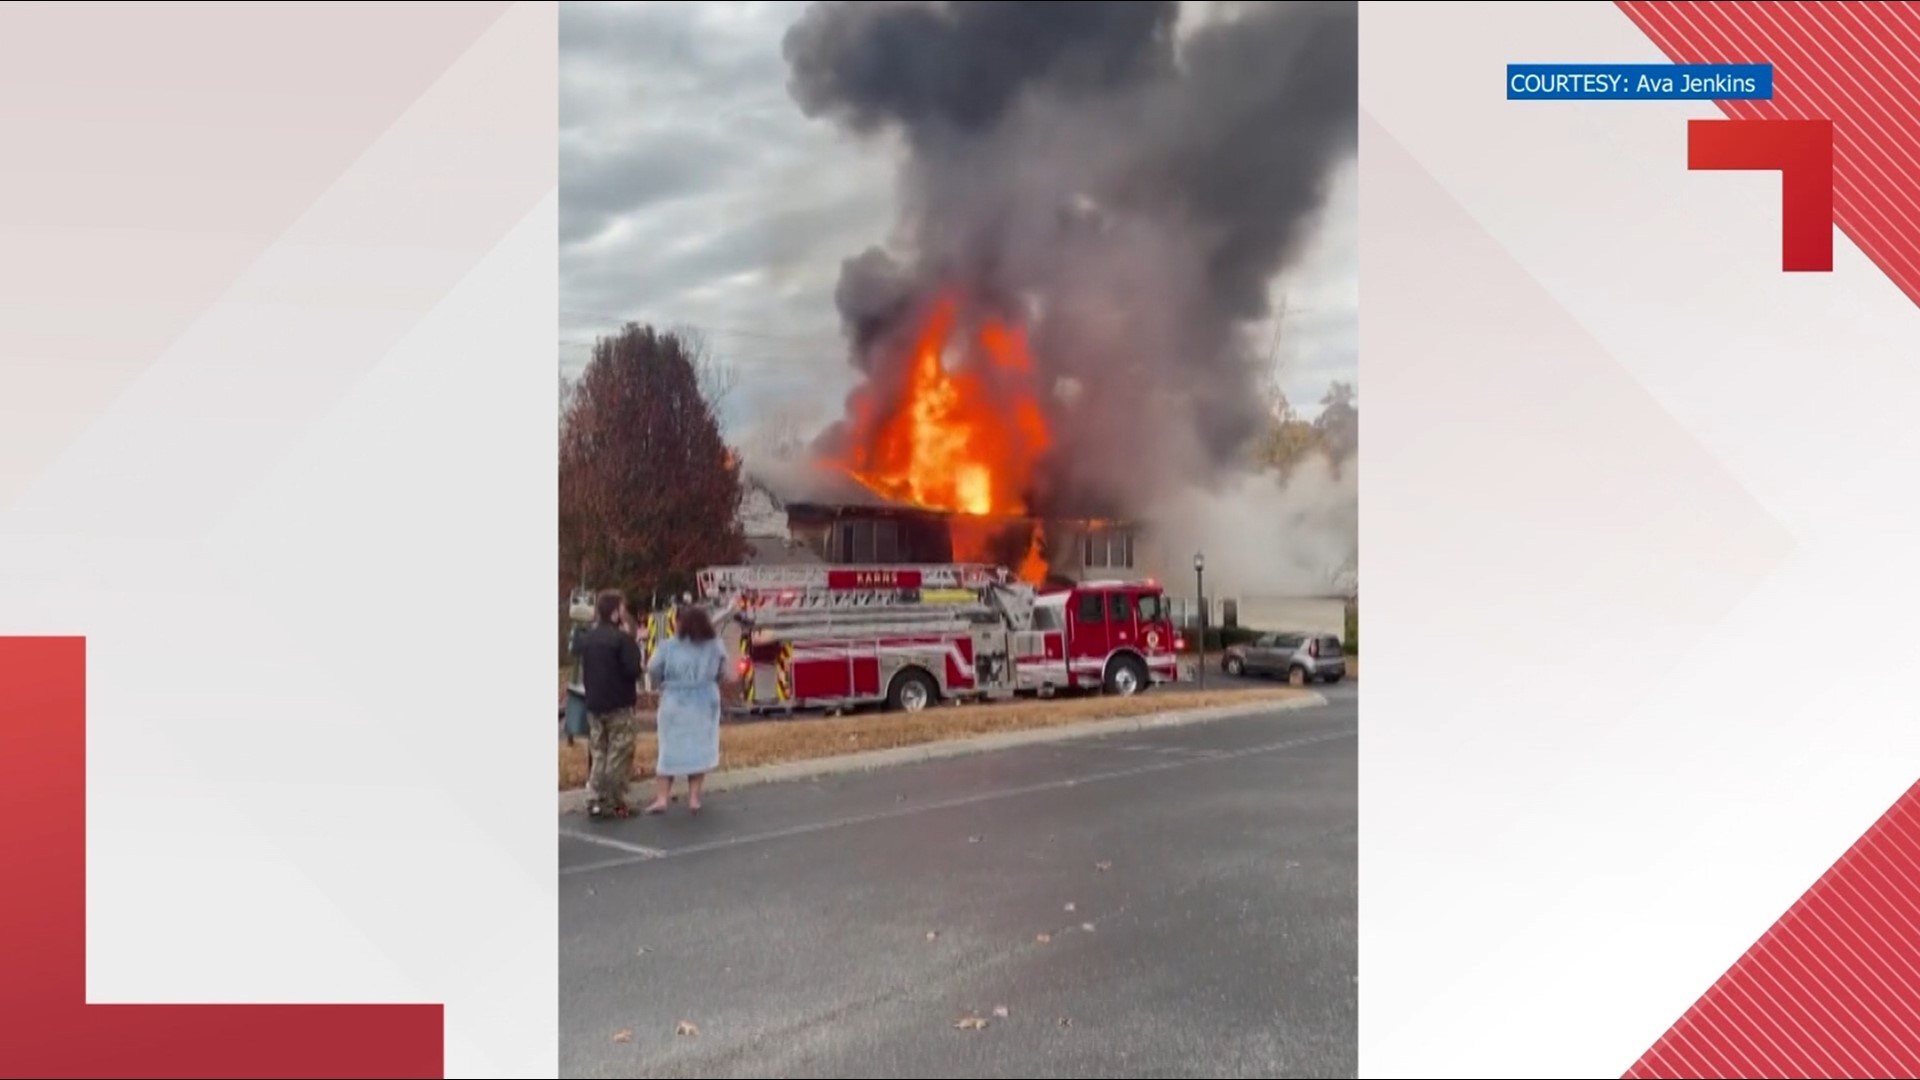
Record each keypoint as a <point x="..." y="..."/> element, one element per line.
<point x="687" y="670"/>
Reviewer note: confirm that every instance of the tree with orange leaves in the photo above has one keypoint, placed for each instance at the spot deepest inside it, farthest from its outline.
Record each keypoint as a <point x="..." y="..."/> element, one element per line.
<point x="649" y="490"/>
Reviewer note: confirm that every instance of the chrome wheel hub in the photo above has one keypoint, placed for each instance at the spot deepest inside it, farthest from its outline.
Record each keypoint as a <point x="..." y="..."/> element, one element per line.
<point x="913" y="697"/>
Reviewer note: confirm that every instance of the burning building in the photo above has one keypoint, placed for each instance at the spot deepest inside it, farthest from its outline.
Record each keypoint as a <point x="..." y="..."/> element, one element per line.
<point x="1095" y="201"/>
<point x="838" y="523"/>
<point x="790" y="516"/>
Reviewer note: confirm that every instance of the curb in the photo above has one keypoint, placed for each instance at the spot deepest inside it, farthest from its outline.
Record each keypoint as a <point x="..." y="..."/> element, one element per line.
<point x="572" y="802"/>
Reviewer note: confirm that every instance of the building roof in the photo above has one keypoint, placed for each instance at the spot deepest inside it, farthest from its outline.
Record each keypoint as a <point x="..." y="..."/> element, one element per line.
<point x="790" y="482"/>
<point x="779" y="551"/>
<point x="821" y="490"/>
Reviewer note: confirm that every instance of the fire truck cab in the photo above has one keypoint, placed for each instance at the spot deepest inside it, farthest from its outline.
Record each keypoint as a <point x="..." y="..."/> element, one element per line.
<point x="1114" y="636"/>
<point x="822" y="637"/>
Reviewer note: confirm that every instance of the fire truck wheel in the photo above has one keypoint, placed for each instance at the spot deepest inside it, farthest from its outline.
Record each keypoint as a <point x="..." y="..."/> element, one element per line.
<point x="1125" y="677"/>
<point x="912" y="691"/>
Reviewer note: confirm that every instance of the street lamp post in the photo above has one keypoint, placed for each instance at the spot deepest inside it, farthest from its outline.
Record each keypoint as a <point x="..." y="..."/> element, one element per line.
<point x="1200" y="599"/>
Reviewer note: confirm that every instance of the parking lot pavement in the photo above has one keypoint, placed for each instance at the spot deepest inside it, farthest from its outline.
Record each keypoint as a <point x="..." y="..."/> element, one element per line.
<point x="1219" y="680"/>
<point x="1178" y="902"/>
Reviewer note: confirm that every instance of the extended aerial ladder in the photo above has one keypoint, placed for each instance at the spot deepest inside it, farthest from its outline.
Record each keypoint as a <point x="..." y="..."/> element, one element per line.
<point x="799" y="603"/>
<point x="839" y="622"/>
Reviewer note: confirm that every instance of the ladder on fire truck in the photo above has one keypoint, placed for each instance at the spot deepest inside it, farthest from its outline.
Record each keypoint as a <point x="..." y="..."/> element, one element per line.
<point x="799" y="603"/>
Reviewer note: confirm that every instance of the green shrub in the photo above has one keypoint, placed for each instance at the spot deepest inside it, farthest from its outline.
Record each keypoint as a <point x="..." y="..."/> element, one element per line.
<point x="1238" y="635"/>
<point x="1219" y="639"/>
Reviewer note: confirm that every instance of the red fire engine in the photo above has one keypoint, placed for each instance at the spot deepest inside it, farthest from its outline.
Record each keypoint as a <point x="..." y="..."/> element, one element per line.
<point x="909" y="636"/>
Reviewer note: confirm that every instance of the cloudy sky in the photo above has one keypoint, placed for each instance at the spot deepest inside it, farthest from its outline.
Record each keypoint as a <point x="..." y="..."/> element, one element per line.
<point x="693" y="193"/>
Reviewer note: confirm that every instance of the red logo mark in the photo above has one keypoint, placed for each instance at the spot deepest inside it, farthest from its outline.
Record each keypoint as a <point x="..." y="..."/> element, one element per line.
<point x="49" y="1029"/>
<point x="1802" y="152"/>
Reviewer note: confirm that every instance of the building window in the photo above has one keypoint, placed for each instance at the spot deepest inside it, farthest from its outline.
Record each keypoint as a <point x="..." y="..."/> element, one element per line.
<point x="1182" y="611"/>
<point x="867" y="542"/>
<point x="1107" y="549"/>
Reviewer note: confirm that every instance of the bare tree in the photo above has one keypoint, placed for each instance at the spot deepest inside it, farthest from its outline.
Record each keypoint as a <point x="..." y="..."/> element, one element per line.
<point x="717" y="378"/>
<point x="1345" y="578"/>
<point x="1339" y="421"/>
<point x="783" y="434"/>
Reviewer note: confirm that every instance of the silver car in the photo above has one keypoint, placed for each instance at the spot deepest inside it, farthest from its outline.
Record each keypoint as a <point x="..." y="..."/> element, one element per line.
<point x="1306" y="657"/>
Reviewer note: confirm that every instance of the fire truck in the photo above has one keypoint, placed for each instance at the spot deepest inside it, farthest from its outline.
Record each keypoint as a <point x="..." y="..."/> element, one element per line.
<point x="907" y="637"/>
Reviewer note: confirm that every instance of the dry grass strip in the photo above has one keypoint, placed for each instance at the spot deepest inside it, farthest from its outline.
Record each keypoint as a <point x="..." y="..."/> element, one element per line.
<point x="745" y="744"/>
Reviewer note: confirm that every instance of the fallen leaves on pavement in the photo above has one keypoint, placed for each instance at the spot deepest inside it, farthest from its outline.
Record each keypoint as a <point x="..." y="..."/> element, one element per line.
<point x="1103" y="866"/>
<point x="623" y="1036"/>
<point x="1000" y="1012"/>
<point x="686" y="1029"/>
<point x="971" y="1023"/>
<point x="1043" y="938"/>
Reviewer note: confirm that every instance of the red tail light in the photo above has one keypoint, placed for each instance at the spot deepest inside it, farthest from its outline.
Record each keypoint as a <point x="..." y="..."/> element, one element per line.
<point x="746" y="666"/>
<point x="1313" y="647"/>
<point x="1179" y="642"/>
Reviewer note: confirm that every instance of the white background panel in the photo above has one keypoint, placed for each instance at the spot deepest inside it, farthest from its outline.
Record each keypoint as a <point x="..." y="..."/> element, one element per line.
<point x="1639" y="560"/>
<point x="295" y="483"/>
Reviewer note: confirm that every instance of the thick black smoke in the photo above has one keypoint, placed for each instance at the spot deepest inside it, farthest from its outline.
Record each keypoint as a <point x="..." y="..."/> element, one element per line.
<point x="1128" y="191"/>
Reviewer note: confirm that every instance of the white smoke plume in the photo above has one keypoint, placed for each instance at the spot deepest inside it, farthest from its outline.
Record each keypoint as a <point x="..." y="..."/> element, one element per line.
<point x="1268" y="536"/>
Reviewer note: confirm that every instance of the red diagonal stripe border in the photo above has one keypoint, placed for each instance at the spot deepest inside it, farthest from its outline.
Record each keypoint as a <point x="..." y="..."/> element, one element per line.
<point x="1832" y="990"/>
<point x="47" y="1027"/>
<point x="1857" y="64"/>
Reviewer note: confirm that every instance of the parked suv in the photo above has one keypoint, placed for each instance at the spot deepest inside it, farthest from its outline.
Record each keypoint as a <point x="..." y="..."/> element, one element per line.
<point x="1312" y="657"/>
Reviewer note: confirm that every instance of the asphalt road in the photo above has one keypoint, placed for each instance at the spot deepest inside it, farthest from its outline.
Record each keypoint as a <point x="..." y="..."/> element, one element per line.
<point x="1178" y="903"/>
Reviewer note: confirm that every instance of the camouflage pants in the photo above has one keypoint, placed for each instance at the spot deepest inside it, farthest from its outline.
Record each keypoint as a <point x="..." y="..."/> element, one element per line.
<point x="611" y="747"/>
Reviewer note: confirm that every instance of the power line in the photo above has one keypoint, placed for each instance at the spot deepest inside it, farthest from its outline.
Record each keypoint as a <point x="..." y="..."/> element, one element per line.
<point x="707" y="328"/>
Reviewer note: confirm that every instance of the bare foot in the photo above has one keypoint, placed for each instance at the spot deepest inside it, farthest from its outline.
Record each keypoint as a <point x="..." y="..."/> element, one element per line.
<point x="655" y="807"/>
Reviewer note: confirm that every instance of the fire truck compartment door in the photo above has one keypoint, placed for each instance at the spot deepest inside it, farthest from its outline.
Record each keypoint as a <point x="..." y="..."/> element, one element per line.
<point x="865" y="665"/>
<point x="1030" y="645"/>
<point x="992" y="661"/>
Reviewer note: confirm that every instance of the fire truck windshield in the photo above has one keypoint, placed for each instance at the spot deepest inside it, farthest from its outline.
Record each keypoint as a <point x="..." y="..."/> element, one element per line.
<point x="1148" y="608"/>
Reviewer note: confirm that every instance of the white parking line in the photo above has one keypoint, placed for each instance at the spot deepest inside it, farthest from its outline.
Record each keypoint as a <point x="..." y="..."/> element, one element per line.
<point x="1149" y="748"/>
<point x="640" y="850"/>
<point x="949" y="804"/>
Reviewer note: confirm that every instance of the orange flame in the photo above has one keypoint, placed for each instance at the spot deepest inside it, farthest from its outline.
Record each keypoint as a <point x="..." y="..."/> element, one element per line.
<point x="1033" y="568"/>
<point x="962" y="437"/>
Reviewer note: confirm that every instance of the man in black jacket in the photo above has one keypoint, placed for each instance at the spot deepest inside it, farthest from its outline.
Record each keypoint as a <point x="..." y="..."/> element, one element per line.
<point x="611" y="667"/>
